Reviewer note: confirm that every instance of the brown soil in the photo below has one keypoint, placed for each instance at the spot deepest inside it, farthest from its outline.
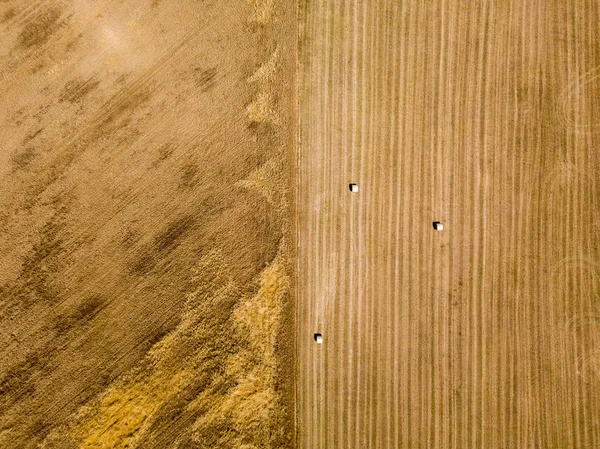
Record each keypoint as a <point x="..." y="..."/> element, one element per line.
<point x="144" y="224"/>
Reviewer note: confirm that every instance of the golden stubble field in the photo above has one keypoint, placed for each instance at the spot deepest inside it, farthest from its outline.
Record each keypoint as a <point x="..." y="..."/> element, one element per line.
<point x="483" y="115"/>
<point x="145" y="240"/>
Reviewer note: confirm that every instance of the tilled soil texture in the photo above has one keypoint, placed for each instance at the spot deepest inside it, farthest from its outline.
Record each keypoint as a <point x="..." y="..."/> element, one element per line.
<point x="145" y="240"/>
<point x="484" y="116"/>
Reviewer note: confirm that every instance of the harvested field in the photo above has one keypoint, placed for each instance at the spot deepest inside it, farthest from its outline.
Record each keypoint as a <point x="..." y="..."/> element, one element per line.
<point x="148" y="224"/>
<point x="146" y="253"/>
<point x="483" y="115"/>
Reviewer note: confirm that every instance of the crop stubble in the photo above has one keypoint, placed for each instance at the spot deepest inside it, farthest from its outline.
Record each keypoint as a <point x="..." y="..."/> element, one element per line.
<point x="482" y="115"/>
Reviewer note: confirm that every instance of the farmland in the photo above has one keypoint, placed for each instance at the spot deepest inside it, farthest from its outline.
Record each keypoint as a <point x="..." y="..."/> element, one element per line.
<point x="176" y="224"/>
<point x="482" y="115"/>
<point x="145" y="239"/>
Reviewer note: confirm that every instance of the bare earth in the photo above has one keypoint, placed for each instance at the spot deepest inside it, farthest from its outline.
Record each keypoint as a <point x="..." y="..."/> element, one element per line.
<point x="483" y="115"/>
<point x="145" y="242"/>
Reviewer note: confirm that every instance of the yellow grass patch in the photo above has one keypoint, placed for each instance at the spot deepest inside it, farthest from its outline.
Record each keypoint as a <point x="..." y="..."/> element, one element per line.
<point x="266" y="73"/>
<point x="124" y="411"/>
<point x="263" y="11"/>
<point x="269" y="181"/>
<point x="262" y="110"/>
